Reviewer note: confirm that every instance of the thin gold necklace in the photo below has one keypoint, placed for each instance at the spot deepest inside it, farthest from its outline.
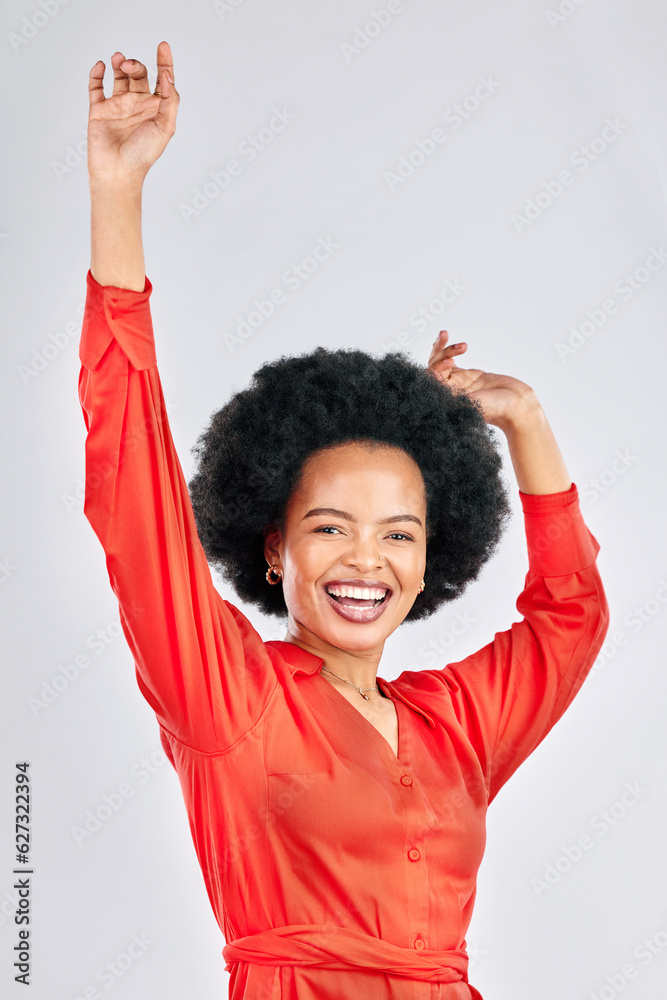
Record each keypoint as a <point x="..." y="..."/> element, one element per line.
<point x="360" y="690"/>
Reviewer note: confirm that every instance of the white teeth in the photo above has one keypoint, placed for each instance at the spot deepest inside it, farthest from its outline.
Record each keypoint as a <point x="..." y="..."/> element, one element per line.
<point x="360" y="593"/>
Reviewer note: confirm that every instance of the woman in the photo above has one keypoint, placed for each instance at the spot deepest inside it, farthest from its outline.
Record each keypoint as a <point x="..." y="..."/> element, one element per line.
<point x="338" y="817"/>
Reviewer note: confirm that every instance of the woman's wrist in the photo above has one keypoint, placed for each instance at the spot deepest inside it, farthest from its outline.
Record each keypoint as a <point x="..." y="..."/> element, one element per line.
<point x="117" y="256"/>
<point x="115" y="185"/>
<point x="537" y="460"/>
<point x="525" y="413"/>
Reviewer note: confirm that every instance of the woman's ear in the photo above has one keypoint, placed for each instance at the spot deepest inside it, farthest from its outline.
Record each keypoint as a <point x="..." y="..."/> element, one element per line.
<point x="273" y="541"/>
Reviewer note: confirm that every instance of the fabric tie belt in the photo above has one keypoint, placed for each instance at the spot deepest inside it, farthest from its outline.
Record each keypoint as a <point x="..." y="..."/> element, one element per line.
<point x="325" y="947"/>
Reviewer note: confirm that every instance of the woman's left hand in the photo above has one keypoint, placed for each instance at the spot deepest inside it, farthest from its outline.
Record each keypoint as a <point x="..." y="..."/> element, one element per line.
<point x="504" y="400"/>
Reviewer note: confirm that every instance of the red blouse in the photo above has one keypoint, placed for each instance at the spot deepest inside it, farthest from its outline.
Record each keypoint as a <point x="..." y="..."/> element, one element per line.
<point x="334" y="867"/>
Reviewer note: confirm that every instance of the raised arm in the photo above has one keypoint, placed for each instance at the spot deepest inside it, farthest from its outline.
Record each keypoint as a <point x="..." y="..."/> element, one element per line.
<point x="200" y="664"/>
<point x="508" y="695"/>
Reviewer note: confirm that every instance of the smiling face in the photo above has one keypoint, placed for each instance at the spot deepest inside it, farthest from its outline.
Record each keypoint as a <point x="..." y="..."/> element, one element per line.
<point x="353" y="549"/>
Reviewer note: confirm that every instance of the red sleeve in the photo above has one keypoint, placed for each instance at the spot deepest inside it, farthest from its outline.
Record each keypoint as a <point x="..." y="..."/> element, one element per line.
<point x="509" y="694"/>
<point x="200" y="664"/>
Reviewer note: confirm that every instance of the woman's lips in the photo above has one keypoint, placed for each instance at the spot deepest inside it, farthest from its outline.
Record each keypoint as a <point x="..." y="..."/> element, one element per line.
<point x="357" y="612"/>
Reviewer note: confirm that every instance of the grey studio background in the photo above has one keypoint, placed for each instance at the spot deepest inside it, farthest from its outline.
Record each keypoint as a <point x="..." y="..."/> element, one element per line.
<point x="495" y="169"/>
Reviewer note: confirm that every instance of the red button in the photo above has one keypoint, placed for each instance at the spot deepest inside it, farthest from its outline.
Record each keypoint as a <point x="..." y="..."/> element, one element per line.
<point x="414" y="854"/>
<point x="406" y="780"/>
<point x="419" y="944"/>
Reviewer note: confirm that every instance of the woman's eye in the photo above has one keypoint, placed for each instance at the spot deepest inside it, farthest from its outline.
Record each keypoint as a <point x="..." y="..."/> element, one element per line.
<point x="329" y="528"/>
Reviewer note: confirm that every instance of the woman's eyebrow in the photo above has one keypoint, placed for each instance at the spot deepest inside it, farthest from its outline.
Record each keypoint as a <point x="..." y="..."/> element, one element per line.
<point x="332" y="512"/>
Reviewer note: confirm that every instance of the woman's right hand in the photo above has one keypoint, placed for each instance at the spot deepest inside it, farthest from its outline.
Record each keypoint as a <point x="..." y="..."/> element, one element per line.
<point x="128" y="131"/>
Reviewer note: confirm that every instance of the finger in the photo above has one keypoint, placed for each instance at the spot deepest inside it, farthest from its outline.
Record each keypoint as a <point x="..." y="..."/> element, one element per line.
<point x="165" y="89"/>
<point x="442" y="340"/>
<point x="451" y="350"/>
<point x="137" y="75"/>
<point x="164" y="61"/>
<point x="168" y="107"/>
<point x="121" y="81"/>
<point x="96" y="83"/>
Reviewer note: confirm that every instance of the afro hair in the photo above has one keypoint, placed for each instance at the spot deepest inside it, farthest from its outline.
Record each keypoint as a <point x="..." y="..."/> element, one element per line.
<point x="250" y="456"/>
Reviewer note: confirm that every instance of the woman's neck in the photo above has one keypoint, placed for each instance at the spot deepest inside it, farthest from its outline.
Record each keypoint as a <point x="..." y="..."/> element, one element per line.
<point x="360" y="667"/>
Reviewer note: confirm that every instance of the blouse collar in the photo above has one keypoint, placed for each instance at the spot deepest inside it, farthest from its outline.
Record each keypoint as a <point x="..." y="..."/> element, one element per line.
<point x="300" y="660"/>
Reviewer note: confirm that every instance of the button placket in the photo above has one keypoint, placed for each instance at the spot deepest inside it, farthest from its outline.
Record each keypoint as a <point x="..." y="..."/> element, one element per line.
<point x="416" y="811"/>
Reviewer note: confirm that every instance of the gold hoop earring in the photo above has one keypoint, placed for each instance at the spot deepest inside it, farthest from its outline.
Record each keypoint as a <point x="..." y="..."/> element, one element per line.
<point x="422" y="587"/>
<point x="271" y="572"/>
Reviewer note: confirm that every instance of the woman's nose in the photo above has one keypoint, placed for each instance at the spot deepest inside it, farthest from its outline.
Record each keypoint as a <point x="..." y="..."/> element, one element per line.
<point x="365" y="554"/>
